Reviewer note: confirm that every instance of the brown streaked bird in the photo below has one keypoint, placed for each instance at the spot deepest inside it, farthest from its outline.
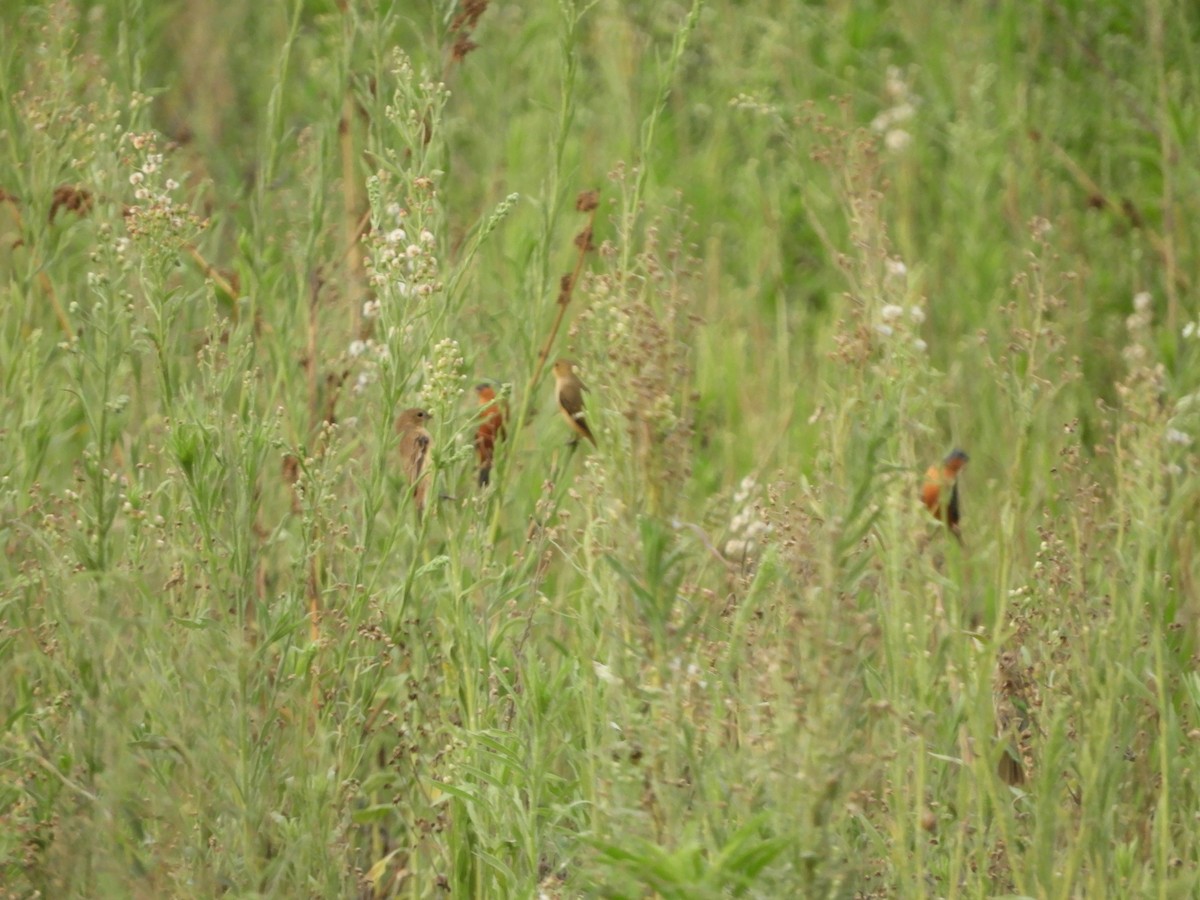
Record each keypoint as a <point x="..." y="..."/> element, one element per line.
<point x="415" y="443"/>
<point x="940" y="491"/>
<point x="568" y="391"/>
<point x="492" y="413"/>
<point x="1014" y="696"/>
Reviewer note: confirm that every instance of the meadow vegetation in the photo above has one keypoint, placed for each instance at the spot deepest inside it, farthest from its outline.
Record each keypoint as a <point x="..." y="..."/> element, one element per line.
<point x="725" y="653"/>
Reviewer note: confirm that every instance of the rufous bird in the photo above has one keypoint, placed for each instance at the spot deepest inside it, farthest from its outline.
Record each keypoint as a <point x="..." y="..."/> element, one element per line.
<point x="568" y="391"/>
<point x="940" y="491"/>
<point x="492" y="414"/>
<point x="415" y="444"/>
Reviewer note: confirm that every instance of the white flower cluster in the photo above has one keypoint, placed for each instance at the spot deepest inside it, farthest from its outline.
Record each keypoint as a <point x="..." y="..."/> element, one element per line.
<point x="1182" y="423"/>
<point x="747" y="528"/>
<point x="1175" y="436"/>
<point x="446" y="380"/>
<point x="1138" y="324"/>
<point x="754" y="104"/>
<point x="662" y="413"/>
<point x="1190" y="331"/>
<point x="156" y="211"/>
<point x="690" y="675"/>
<point x="893" y="317"/>
<point x="400" y="266"/>
<point x="903" y="107"/>
<point x="370" y="352"/>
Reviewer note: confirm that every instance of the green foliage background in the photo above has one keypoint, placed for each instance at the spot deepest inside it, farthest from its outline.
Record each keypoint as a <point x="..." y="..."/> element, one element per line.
<point x="725" y="653"/>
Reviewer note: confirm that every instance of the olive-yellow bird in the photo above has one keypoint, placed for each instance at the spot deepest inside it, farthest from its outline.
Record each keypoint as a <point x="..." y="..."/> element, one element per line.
<point x="415" y="444"/>
<point x="568" y="391"/>
<point x="940" y="491"/>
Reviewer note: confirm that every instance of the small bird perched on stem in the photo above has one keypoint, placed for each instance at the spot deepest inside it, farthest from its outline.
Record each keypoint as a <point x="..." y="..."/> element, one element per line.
<point x="415" y="443"/>
<point x="492" y="414"/>
<point x="940" y="491"/>
<point x="1013" y="699"/>
<point x="568" y="391"/>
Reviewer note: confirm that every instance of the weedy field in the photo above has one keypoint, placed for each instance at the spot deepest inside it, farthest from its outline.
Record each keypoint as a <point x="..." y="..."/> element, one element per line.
<point x="798" y="252"/>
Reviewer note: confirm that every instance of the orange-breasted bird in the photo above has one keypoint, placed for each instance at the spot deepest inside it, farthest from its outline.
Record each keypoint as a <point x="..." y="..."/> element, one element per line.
<point x="568" y="391"/>
<point x="940" y="491"/>
<point x="415" y="444"/>
<point x="492" y="413"/>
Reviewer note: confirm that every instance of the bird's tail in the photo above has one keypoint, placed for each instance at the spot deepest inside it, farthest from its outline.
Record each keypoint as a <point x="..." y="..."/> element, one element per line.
<point x="587" y="432"/>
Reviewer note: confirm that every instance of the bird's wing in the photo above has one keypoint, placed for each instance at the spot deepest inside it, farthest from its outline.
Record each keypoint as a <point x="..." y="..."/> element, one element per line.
<point x="414" y="450"/>
<point x="571" y="400"/>
<point x="421" y="451"/>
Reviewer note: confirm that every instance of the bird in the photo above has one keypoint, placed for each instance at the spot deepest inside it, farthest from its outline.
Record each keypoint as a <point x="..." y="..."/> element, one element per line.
<point x="940" y="491"/>
<point x="1014" y="698"/>
<point x="568" y="391"/>
<point x="492" y="414"/>
<point x="415" y="444"/>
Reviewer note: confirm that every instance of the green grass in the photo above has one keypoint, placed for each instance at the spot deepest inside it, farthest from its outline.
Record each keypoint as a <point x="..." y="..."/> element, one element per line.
<point x="727" y="653"/>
